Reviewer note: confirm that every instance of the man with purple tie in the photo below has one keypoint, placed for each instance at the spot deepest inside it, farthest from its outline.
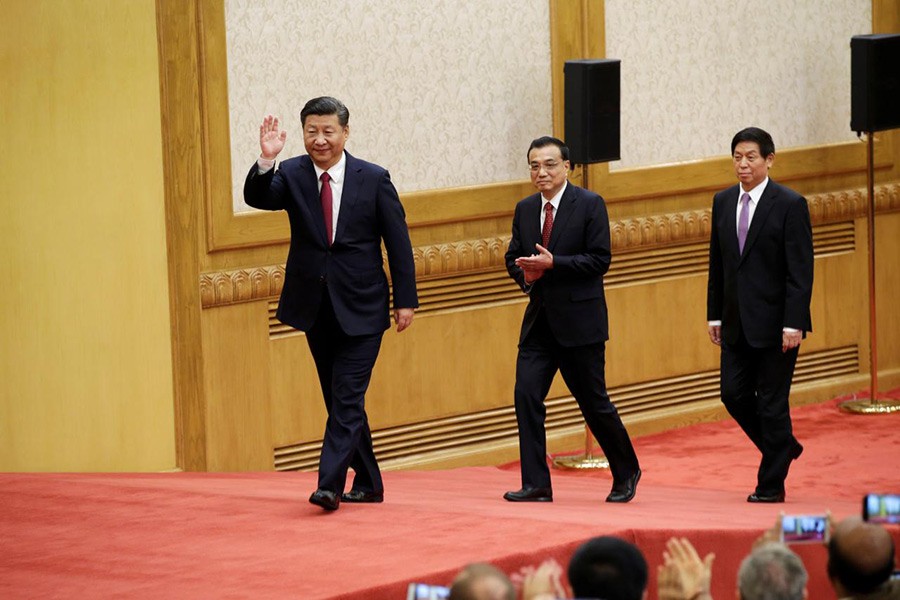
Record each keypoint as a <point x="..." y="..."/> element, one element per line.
<point x="760" y="285"/>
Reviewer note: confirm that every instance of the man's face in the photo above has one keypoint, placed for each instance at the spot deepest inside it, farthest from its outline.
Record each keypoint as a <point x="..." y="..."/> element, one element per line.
<point x="324" y="139"/>
<point x="548" y="170"/>
<point x="750" y="165"/>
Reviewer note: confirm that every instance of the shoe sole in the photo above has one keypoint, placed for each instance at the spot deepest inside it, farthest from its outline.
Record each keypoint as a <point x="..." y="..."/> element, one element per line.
<point x="528" y="499"/>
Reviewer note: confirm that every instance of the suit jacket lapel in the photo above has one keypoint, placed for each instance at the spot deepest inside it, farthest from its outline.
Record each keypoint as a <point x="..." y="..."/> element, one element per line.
<point x="766" y="201"/>
<point x="532" y="222"/>
<point x="729" y="213"/>
<point x="310" y="187"/>
<point x="565" y="210"/>
<point x="353" y="179"/>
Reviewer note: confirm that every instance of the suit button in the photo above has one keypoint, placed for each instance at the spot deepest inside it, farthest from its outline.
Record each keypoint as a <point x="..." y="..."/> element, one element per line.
<point x="322" y="279"/>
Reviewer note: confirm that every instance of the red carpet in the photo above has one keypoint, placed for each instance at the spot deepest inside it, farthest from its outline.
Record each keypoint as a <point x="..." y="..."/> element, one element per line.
<point x="254" y="535"/>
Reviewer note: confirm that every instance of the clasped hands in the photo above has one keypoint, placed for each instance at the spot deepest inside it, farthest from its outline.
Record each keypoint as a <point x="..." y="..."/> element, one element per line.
<point x="534" y="266"/>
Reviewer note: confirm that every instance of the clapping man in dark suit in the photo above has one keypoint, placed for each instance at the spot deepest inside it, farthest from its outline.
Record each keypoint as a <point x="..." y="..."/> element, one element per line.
<point x="335" y="288"/>
<point x="760" y="284"/>
<point x="559" y="251"/>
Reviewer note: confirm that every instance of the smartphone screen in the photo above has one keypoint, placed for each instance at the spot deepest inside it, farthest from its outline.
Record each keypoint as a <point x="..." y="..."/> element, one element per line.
<point x="424" y="591"/>
<point x="881" y="508"/>
<point x="801" y="529"/>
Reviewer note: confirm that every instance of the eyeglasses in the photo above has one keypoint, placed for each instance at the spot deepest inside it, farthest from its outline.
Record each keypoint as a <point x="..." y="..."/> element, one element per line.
<point x="550" y="166"/>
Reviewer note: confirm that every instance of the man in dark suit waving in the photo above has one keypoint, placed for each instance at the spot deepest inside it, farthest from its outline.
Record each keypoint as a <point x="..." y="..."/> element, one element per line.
<point x="760" y="285"/>
<point x="559" y="251"/>
<point x="335" y="289"/>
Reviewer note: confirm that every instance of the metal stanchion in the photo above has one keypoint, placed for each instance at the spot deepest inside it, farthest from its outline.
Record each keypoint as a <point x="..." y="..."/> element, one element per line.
<point x="583" y="461"/>
<point x="875" y="403"/>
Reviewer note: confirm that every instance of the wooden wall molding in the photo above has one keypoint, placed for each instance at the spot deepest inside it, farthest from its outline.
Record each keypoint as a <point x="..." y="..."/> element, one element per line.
<point x="243" y="285"/>
<point x="461" y="273"/>
<point x="420" y="441"/>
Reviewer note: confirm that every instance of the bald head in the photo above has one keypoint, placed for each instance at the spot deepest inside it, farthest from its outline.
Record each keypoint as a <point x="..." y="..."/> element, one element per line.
<point x="480" y="581"/>
<point x="860" y="556"/>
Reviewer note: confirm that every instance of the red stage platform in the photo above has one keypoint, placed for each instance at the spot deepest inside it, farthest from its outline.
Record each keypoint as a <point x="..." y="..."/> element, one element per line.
<point x="246" y="535"/>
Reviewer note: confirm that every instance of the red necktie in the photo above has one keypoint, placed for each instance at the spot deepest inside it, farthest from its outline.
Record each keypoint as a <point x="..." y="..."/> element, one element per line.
<point x="325" y="197"/>
<point x="548" y="225"/>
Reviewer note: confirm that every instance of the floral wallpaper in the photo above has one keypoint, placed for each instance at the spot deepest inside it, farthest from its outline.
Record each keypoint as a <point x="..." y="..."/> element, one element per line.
<point x="442" y="93"/>
<point x="694" y="72"/>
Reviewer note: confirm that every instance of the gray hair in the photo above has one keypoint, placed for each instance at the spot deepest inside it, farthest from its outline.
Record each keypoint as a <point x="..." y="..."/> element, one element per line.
<point x="772" y="572"/>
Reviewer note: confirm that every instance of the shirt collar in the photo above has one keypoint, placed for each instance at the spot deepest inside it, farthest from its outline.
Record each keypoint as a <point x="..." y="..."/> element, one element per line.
<point x="756" y="193"/>
<point x="336" y="172"/>
<point x="555" y="199"/>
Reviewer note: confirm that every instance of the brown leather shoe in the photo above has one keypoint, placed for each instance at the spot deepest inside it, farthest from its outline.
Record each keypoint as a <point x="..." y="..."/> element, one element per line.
<point x="360" y="496"/>
<point x="530" y="495"/>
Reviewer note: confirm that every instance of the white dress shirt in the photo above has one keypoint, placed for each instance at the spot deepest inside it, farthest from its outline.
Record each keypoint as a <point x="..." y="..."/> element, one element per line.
<point x="336" y="172"/>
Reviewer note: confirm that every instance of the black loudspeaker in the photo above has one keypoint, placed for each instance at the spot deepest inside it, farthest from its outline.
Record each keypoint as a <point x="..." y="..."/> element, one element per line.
<point x="875" y="82"/>
<point x="592" y="110"/>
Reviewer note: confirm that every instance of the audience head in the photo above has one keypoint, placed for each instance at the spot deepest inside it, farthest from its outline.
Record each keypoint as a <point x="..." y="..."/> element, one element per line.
<point x="609" y="568"/>
<point x="860" y="557"/>
<point x="772" y="572"/>
<point x="480" y="581"/>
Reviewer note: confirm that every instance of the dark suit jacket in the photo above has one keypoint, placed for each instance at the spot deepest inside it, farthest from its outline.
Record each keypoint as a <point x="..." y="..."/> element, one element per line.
<point x="571" y="293"/>
<point x="769" y="286"/>
<point x="351" y="271"/>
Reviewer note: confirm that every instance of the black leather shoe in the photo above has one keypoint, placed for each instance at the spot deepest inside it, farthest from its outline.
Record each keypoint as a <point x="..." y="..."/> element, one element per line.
<point x="362" y="497"/>
<point x="530" y="495"/>
<point x="326" y="499"/>
<point x="625" y="492"/>
<point x="796" y="451"/>
<point x="766" y="499"/>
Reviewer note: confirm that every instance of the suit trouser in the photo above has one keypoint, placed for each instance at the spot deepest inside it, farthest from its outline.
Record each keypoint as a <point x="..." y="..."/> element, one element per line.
<point x="583" y="370"/>
<point x="344" y="364"/>
<point x="756" y="386"/>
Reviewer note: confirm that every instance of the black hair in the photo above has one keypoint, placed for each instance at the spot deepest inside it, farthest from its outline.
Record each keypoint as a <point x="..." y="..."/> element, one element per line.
<point x="754" y="134"/>
<point x="545" y="141"/>
<point x="326" y="105"/>
<point x="608" y="567"/>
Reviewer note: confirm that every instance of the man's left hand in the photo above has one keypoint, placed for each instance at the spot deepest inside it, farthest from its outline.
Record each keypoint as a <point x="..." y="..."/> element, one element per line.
<point x="790" y="339"/>
<point x="541" y="261"/>
<point x="403" y="317"/>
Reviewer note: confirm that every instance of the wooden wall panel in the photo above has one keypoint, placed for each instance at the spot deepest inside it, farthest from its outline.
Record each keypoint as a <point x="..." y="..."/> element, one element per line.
<point x="236" y="377"/>
<point x="85" y="337"/>
<point x="887" y="297"/>
<point x="298" y="411"/>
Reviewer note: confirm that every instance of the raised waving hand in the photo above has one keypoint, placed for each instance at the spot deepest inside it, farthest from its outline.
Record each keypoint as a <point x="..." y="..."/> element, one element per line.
<point x="271" y="139"/>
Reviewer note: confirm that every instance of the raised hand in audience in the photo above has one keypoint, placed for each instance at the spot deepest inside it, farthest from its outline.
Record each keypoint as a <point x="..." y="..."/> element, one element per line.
<point x="544" y="582"/>
<point x="683" y="576"/>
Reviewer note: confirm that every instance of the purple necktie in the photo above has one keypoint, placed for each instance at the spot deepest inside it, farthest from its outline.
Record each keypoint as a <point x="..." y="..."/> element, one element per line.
<point x="743" y="222"/>
<point x="548" y="225"/>
<point x="325" y="197"/>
